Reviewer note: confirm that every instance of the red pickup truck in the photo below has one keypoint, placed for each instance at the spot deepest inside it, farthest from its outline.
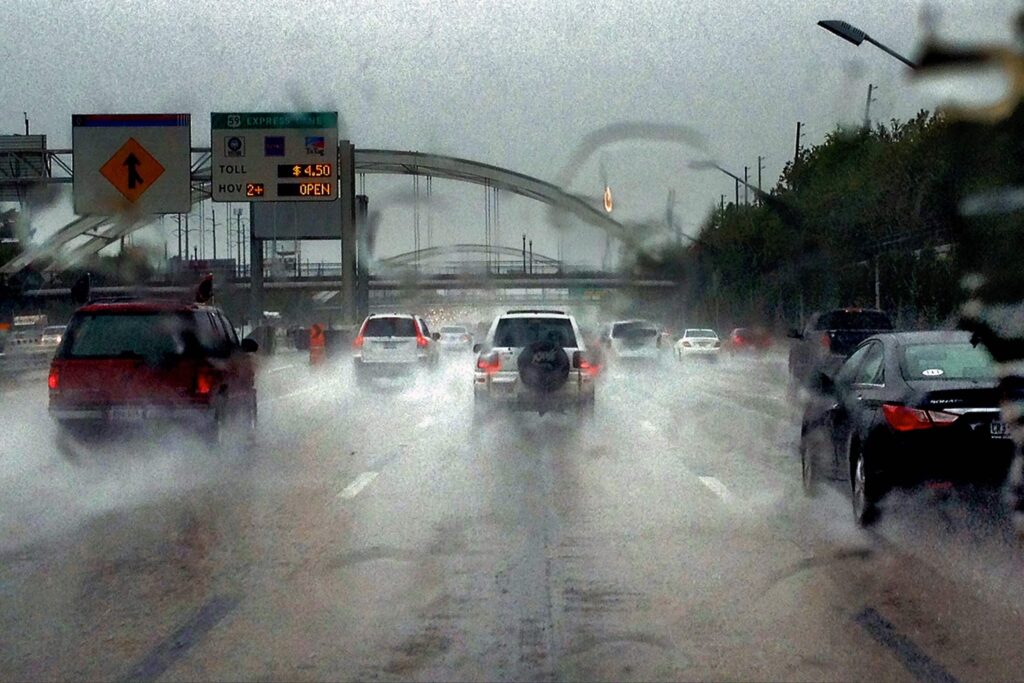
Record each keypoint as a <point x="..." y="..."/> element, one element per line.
<point x="135" y="361"/>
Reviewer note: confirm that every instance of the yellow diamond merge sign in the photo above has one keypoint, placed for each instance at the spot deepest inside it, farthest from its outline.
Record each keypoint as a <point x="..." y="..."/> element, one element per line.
<point x="132" y="170"/>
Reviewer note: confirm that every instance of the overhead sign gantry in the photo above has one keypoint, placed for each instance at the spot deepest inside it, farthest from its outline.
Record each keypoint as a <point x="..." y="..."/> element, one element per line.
<point x="274" y="157"/>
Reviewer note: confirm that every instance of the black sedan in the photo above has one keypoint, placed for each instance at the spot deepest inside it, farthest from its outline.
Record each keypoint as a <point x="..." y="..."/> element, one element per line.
<point x="906" y="409"/>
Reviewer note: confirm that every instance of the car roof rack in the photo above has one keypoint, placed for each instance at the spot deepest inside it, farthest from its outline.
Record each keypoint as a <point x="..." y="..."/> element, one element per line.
<point x="534" y="310"/>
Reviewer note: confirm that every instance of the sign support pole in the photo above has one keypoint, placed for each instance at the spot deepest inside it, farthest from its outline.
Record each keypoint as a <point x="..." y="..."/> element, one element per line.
<point x="347" y="200"/>
<point x="255" y="275"/>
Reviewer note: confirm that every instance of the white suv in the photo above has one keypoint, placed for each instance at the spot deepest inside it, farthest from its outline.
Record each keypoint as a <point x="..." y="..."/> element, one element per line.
<point x="533" y="360"/>
<point x="393" y="344"/>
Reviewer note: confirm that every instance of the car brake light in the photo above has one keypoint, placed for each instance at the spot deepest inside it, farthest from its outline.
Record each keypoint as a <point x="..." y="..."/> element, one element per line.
<point x="490" y="363"/>
<point x="687" y="344"/>
<point x="205" y="380"/>
<point x="53" y="381"/>
<point x="357" y="343"/>
<point x="465" y="337"/>
<point x="826" y="341"/>
<point x="904" y="419"/>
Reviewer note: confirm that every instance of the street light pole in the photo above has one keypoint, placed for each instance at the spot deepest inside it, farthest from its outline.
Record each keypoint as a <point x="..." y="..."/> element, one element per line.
<point x="852" y="34"/>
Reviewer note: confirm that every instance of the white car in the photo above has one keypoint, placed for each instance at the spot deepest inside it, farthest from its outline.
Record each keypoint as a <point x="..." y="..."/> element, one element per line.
<point x="52" y="335"/>
<point x="533" y="361"/>
<point x="633" y="339"/>
<point x="698" y="342"/>
<point x="455" y="338"/>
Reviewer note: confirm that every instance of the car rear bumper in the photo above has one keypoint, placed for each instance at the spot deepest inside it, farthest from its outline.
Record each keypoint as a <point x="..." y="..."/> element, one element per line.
<point x="694" y="351"/>
<point x="509" y="393"/>
<point x="959" y="458"/>
<point x="134" y="414"/>
<point x="391" y="368"/>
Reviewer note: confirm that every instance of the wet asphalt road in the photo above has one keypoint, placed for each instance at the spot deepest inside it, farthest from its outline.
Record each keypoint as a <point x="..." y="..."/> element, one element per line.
<point x="379" y="535"/>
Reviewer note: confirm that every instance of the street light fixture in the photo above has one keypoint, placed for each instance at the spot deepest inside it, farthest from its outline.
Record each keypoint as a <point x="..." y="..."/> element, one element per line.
<point x="854" y="35"/>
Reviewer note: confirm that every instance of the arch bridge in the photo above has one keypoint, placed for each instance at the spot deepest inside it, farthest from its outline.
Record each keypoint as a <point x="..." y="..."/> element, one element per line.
<point x="100" y="231"/>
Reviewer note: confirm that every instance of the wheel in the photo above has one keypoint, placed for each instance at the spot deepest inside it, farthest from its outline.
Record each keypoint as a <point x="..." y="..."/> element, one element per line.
<point x="813" y="445"/>
<point x="865" y="491"/>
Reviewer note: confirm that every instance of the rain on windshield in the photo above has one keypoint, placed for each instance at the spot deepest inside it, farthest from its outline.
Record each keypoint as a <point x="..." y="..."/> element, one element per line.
<point x="391" y="341"/>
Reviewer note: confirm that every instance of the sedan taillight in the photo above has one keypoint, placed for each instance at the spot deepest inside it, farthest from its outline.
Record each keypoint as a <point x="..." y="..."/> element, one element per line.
<point x="53" y="380"/>
<point x="904" y="419"/>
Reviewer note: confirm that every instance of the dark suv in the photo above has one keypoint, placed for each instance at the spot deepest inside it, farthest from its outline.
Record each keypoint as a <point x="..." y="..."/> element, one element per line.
<point x="129" y="362"/>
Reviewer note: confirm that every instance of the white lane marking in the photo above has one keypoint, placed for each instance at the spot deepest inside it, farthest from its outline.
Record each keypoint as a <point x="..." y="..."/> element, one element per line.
<point x="717" y="487"/>
<point x="300" y="392"/>
<point x="425" y="422"/>
<point x="282" y="368"/>
<point x="648" y="425"/>
<point x="357" y="485"/>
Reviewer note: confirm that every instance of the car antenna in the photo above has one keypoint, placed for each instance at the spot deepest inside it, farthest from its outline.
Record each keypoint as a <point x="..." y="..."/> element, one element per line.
<point x="82" y="289"/>
<point x="204" y="291"/>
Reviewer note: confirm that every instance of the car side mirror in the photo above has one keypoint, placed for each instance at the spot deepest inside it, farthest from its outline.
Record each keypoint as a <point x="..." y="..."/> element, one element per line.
<point x="477" y="347"/>
<point x="794" y="333"/>
<point x="436" y="336"/>
<point x="249" y="345"/>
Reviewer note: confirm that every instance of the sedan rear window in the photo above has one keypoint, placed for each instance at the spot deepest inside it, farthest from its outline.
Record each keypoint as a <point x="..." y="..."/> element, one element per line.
<point x="518" y="332"/>
<point x="634" y="330"/>
<point x="114" y="335"/>
<point x="700" y="334"/>
<point x="390" y="327"/>
<point x="946" y="361"/>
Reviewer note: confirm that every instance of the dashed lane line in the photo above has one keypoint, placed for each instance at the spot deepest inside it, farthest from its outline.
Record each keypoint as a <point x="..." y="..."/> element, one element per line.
<point x="357" y="485"/>
<point x="717" y="487"/>
<point x="299" y="392"/>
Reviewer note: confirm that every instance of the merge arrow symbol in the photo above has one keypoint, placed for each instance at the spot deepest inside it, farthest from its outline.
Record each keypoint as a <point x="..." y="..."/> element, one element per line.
<point x="132" y="162"/>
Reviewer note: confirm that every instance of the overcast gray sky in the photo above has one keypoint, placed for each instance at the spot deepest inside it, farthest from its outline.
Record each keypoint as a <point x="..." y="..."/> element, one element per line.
<point x="515" y="84"/>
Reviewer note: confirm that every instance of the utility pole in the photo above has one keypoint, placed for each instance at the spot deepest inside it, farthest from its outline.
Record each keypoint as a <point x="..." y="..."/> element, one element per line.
<point x="867" y="107"/>
<point x="179" y="237"/>
<point x="746" y="185"/>
<point x="796" y="152"/>
<point x="878" y="287"/>
<point x="213" y="228"/>
<point x="737" y="192"/>
<point x="25" y="114"/>
<point x="186" y="235"/>
<point x="524" y="253"/>
<point x="760" y="168"/>
<point x="531" y="257"/>
<point x="722" y="204"/>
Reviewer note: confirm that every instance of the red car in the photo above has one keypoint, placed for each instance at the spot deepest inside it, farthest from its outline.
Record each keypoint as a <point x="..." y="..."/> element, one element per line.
<point x="748" y="340"/>
<point x="129" y="362"/>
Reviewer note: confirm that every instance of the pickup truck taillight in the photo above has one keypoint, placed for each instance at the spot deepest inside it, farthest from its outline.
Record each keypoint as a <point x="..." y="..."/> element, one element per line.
<point x="53" y="380"/>
<point x="206" y="380"/>
<point x="826" y="341"/>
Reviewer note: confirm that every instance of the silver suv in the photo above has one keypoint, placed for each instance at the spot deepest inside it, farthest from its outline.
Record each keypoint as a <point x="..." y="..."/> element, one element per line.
<point x="533" y="360"/>
<point x="393" y="344"/>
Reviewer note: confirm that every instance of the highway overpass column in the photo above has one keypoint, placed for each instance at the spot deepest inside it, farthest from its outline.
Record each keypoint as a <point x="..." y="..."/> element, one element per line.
<point x="347" y="194"/>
